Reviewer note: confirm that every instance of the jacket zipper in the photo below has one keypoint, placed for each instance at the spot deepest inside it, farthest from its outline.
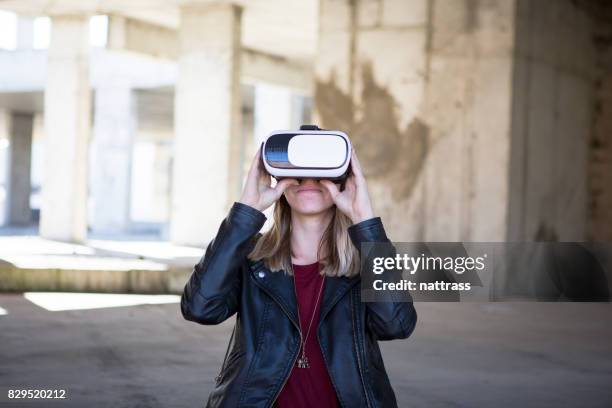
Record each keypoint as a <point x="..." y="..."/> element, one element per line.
<point x="286" y="378"/>
<point x="359" y="358"/>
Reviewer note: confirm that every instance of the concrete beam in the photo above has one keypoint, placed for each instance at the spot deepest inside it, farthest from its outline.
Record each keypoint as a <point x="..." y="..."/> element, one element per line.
<point x="129" y="34"/>
<point x="147" y="54"/>
<point x="137" y="36"/>
<point x="259" y="67"/>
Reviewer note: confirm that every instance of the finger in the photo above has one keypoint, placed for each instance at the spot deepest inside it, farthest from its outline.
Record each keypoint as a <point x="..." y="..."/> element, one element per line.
<point x="260" y="160"/>
<point x="356" y="166"/>
<point x="350" y="184"/>
<point x="255" y="164"/>
<point x="330" y="187"/>
<point x="264" y="180"/>
<point x="283" y="184"/>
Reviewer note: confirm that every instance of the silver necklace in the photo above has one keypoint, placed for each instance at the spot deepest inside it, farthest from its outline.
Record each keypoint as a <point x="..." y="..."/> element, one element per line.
<point x="302" y="362"/>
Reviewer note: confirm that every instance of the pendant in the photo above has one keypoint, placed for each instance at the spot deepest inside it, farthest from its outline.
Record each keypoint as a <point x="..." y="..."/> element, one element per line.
<point x="303" y="362"/>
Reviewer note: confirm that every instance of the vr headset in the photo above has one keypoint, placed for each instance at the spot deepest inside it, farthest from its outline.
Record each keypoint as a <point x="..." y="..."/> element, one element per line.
<point x="310" y="152"/>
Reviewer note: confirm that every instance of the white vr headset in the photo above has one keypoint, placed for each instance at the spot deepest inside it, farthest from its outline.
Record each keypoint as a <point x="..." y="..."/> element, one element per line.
<point x="308" y="153"/>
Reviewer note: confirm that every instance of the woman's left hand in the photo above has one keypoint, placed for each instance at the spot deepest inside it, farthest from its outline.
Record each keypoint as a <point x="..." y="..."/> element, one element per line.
<point x="354" y="200"/>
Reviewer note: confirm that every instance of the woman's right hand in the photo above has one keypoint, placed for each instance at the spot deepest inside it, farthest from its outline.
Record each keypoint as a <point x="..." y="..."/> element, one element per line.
<point x="258" y="191"/>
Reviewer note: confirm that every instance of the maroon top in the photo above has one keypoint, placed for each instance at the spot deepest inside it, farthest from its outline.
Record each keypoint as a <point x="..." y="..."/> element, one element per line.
<point x="309" y="387"/>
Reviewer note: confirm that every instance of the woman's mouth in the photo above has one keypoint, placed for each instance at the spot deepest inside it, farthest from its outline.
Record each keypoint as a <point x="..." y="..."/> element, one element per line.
<point x="309" y="189"/>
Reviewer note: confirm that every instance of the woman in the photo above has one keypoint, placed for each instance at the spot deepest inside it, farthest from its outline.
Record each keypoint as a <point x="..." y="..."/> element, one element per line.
<point x="302" y="336"/>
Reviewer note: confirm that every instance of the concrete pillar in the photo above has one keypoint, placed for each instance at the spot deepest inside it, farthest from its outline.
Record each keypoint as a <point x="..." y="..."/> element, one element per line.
<point x="468" y="107"/>
<point x="18" y="183"/>
<point x="554" y="112"/>
<point x="301" y="106"/>
<point x="25" y="33"/>
<point x="273" y="110"/>
<point x="207" y="121"/>
<point x="114" y="125"/>
<point x="600" y="146"/>
<point x="4" y="145"/>
<point x="247" y="134"/>
<point x="67" y="129"/>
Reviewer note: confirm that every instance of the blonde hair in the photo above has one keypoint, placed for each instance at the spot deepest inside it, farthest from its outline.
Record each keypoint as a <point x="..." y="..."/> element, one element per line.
<point x="340" y="257"/>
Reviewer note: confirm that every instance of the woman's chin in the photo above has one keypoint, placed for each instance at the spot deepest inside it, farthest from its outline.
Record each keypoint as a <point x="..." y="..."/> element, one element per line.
<point x="311" y="208"/>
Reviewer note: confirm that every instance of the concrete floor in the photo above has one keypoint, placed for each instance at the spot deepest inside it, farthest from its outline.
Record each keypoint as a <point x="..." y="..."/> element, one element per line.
<point x="461" y="355"/>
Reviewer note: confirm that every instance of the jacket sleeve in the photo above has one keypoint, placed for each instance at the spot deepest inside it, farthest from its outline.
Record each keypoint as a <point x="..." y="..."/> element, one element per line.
<point x="393" y="318"/>
<point x="212" y="292"/>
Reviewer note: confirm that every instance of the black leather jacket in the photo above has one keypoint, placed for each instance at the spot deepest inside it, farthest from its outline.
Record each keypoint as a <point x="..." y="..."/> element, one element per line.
<point x="265" y="342"/>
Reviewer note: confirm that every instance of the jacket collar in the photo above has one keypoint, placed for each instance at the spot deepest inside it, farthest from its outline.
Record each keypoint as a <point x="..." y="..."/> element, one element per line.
<point x="280" y="287"/>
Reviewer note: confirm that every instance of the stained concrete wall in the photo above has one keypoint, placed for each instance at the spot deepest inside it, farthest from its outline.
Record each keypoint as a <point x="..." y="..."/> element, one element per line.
<point x="551" y="122"/>
<point x="369" y="73"/>
<point x="424" y="90"/>
<point x="472" y="118"/>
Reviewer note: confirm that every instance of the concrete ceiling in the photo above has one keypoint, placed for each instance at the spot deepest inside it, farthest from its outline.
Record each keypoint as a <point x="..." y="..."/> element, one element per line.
<point x="282" y="27"/>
